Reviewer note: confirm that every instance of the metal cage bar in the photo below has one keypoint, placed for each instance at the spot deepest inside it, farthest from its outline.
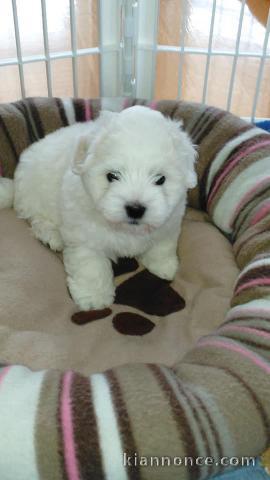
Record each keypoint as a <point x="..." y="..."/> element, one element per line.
<point x="73" y="33"/>
<point x="204" y="51"/>
<point x="209" y="52"/>
<point x="51" y="56"/>
<point x="46" y="47"/>
<point x="236" y="55"/>
<point x="261" y="69"/>
<point x="182" y="51"/>
<point x="141" y="65"/>
<point x="18" y="47"/>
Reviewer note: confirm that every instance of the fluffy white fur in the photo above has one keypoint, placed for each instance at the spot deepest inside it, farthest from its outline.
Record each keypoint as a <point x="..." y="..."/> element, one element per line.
<point x="61" y="187"/>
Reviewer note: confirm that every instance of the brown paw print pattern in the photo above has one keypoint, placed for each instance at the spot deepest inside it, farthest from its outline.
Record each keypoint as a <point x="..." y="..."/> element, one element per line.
<point x="144" y="292"/>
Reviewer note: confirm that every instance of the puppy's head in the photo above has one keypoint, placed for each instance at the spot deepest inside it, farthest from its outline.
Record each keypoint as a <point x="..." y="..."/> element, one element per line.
<point x="138" y="167"/>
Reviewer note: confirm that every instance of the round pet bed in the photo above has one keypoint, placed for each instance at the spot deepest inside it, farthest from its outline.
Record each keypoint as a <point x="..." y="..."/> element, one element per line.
<point x="70" y="405"/>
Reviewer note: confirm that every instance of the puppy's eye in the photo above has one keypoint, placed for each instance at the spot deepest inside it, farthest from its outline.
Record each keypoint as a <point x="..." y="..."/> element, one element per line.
<point x="160" y="181"/>
<point x="111" y="176"/>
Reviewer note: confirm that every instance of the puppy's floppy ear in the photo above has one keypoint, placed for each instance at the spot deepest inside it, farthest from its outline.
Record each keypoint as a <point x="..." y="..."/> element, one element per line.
<point x="80" y="154"/>
<point x="185" y="151"/>
<point x="82" y="149"/>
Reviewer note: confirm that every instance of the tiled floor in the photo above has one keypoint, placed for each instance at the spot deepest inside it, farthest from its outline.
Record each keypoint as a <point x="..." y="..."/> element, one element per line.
<point x="196" y="35"/>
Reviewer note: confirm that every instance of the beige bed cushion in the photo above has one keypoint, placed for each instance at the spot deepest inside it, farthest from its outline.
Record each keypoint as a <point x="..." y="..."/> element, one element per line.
<point x="36" y="310"/>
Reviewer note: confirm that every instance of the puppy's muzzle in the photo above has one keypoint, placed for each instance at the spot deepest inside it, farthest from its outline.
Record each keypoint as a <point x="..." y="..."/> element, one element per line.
<point x="135" y="211"/>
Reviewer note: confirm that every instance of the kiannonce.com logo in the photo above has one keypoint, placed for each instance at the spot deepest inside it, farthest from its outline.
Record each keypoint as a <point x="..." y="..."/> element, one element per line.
<point x="167" y="461"/>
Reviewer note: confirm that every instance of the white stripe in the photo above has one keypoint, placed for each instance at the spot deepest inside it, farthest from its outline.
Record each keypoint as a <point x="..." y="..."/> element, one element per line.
<point x="262" y="262"/>
<point x="226" y="151"/>
<point x="253" y="307"/>
<point x="19" y="396"/>
<point x="69" y="110"/>
<point x="110" y="443"/>
<point x="236" y="190"/>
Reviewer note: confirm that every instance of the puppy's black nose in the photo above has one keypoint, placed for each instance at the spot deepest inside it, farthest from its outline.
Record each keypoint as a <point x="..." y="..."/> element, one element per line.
<point x="135" y="210"/>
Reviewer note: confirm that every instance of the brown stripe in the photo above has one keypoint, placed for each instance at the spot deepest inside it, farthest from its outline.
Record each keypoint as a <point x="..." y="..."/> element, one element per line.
<point x="23" y="110"/>
<point x="36" y="118"/>
<point x="210" y="145"/>
<point x="255" y="273"/>
<point x="61" y="448"/>
<point x="204" y="178"/>
<point x="210" y="422"/>
<point x="244" y="145"/>
<point x="140" y="101"/>
<point x="257" y="229"/>
<point x="247" y="210"/>
<point x="250" y="142"/>
<point x="247" y="320"/>
<point x="208" y="127"/>
<point x="258" y="405"/>
<point x="248" y="160"/>
<point x="249" y="250"/>
<point x="30" y="121"/>
<point x="190" y="113"/>
<point x="85" y="430"/>
<point x="9" y="139"/>
<point x="95" y="107"/>
<point x="199" y="122"/>
<point x="49" y="114"/>
<point x="62" y="112"/>
<point x="124" y="424"/>
<point x="46" y="429"/>
<point x="174" y="111"/>
<point x="198" y="420"/>
<point x="181" y="421"/>
<point x="79" y="109"/>
<point x="253" y="293"/>
<point x="235" y="336"/>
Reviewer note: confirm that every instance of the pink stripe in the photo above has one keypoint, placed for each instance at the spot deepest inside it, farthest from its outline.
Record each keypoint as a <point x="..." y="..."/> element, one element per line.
<point x="67" y="428"/>
<point x="153" y="105"/>
<point x="245" y="330"/>
<point x="88" y="112"/>
<point x="248" y="196"/>
<point x="231" y="165"/>
<point x="253" y="283"/>
<point x="3" y="373"/>
<point x="261" y="212"/>
<point x="236" y="348"/>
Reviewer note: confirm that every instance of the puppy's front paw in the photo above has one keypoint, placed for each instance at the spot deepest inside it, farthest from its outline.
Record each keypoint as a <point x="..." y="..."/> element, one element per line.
<point x="48" y="234"/>
<point x="88" y="297"/>
<point x="165" y="268"/>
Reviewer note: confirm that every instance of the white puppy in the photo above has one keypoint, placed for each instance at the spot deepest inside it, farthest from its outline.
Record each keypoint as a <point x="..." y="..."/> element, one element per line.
<point x="104" y="189"/>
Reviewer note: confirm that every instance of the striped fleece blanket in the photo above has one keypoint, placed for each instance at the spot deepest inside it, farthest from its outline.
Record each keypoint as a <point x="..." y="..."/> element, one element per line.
<point x="140" y="421"/>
